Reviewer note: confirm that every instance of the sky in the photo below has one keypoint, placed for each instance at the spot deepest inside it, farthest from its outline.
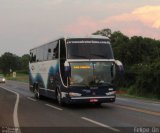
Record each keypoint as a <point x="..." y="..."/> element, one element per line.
<point x="25" y="24"/>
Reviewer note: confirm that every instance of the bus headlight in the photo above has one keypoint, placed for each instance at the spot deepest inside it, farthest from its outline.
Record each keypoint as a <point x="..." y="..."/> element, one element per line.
<point x="110" y="89"/>
<point x="72" y="94"/>
<point x="3" y="79"/>
<point x="111" y="93"/>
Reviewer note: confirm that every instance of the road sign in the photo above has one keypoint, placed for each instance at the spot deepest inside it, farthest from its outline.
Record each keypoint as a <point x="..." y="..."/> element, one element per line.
<point x="14" y="74"/>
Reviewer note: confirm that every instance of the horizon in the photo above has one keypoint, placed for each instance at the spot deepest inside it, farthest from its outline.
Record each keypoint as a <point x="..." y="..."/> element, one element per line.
<point x="27" y="24"/>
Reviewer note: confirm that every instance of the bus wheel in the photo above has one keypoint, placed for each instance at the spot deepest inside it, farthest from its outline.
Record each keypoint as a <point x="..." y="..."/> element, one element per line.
<point x="36" y="93"/>
<point x="59" y="97"/>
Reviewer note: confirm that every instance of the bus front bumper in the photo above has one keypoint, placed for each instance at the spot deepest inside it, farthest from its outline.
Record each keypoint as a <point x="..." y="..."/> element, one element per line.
<point x="96" y="99"/>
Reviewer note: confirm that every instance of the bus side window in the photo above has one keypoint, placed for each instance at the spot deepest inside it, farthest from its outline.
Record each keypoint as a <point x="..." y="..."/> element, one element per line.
<point x="45" y="53"/>
<point x="34" y="58"/>
<point x="55" y="52"/>
<point x="31" y="57"/>
<point x="34" y="55"/>
<point x="49" y="50"/>
<point x="37" y="55"/>
<point x="49" y="54"/>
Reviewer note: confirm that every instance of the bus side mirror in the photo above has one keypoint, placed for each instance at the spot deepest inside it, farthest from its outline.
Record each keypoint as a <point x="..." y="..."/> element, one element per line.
<point x="67" y="68"/>
<point x="120" y="66"/>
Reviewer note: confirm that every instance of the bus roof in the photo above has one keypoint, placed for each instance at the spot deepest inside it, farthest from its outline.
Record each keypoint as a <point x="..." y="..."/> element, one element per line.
<point x="73" y="37"/>
<point x="88" y="36"/>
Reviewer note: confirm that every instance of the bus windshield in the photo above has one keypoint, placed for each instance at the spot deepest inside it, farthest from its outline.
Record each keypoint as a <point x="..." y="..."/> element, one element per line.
<point x="91" y="73"/>
<point x="89" y="49"/>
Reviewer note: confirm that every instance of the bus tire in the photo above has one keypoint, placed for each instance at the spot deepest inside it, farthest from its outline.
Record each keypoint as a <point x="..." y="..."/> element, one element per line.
<point x="36" y="92"/>
<point x="59" y="97"/>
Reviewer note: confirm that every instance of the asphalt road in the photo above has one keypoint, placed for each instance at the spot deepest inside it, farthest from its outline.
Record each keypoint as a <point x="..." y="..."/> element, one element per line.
<point x="18" y="108"/>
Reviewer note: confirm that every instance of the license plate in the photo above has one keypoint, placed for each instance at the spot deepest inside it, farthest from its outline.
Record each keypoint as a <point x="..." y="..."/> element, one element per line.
<point x="93" y="100"/>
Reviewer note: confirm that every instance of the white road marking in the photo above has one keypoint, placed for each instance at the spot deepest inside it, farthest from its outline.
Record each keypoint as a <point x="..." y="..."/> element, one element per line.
<point x="15" y="114"/>
<point x="53" y="107"/>
<point x="100" y="124"/>
<point x="31" y="99"/>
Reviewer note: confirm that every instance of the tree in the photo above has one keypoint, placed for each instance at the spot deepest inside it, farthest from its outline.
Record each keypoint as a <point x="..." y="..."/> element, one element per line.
<point x="119" y="43"/>
<point x="25" y="62"/>
<point x="104" y="32"/>
<point x="9" y="62"/>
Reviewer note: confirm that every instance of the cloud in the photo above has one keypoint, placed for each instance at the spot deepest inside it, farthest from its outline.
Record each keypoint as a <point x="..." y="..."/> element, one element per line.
<point x="149" y="15"/>
<point x="83" y="25"/>
<point x="143" y="21"/>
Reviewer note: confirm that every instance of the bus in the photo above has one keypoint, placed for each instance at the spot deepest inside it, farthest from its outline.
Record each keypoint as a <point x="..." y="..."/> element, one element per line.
<point x="74" y="70"/>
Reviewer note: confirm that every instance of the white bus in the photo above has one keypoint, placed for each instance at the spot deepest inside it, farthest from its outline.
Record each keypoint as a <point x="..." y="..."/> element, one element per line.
<point x="74" y="70"/>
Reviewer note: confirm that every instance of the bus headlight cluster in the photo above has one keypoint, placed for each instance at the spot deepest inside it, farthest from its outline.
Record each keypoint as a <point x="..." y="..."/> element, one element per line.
<point x="3" y="80"/>
<point x="111" y="93"/>
<point x="72" y="94"/>
<point x="110" y="89"/>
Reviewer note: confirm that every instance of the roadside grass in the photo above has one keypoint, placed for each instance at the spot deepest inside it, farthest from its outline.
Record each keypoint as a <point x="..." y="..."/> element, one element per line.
<point x="126" y="94"/>
<point x="19" y="77"/>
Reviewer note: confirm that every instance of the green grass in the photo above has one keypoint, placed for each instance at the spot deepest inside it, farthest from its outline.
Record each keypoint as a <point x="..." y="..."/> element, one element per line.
<point x="138" y="97"/>
<point x="19" y="77"/>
